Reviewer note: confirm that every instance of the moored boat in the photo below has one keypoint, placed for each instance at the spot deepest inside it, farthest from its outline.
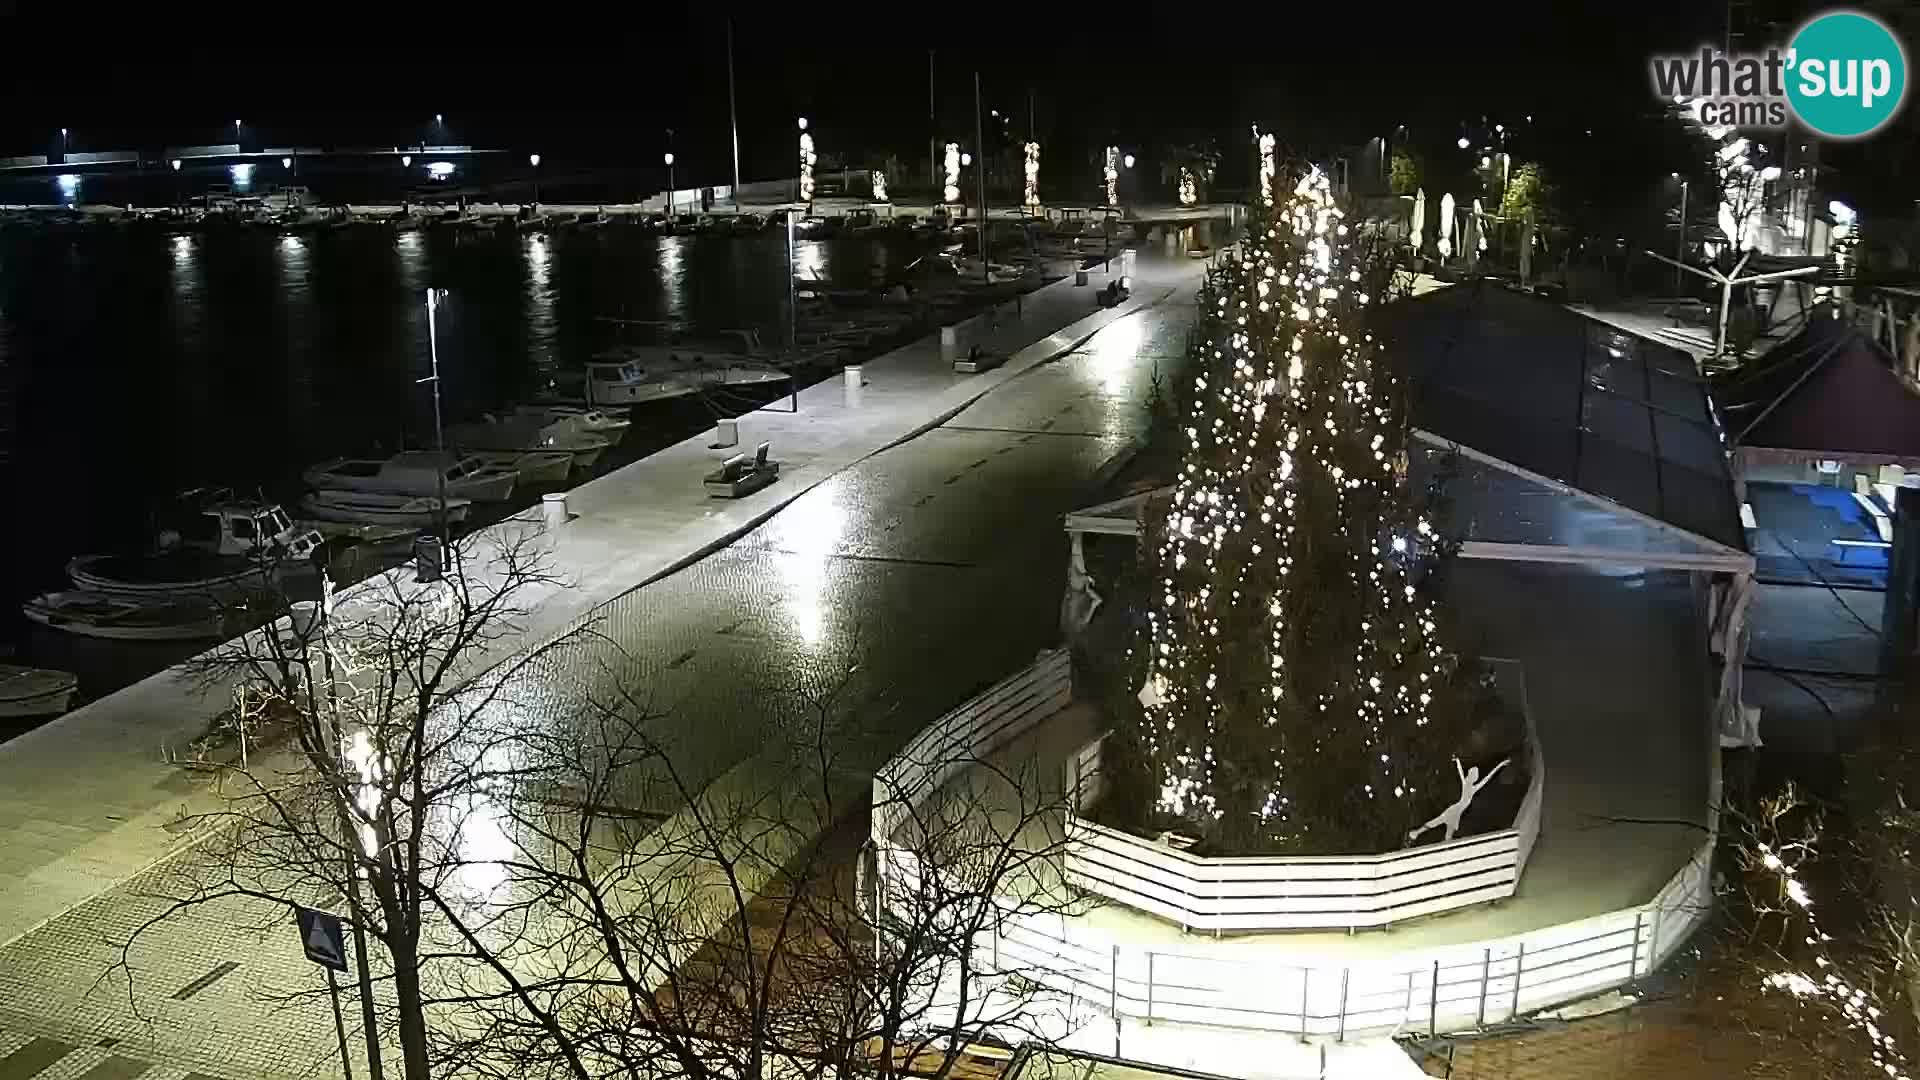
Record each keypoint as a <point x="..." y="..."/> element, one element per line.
<point x="609" y="424"/>
<point x="128" y="618"/>
<point x="416" y="472"/>
<point x="377" y="508"/>
<point x="503" y="441"/>
<point x="30" y="691"/>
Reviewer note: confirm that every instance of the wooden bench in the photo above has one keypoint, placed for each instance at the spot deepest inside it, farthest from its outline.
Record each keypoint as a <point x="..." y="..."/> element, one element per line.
<point x="739" y="475"/>
<point x="976" y="361"/>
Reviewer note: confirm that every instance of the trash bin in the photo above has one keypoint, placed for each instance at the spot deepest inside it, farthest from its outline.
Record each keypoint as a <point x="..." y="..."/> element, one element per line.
<point x="1079" y="278"/>
<point x="429" y="558"/>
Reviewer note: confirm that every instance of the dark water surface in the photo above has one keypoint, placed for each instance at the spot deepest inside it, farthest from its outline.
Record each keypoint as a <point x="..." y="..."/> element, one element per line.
<point x="137" y="362"/>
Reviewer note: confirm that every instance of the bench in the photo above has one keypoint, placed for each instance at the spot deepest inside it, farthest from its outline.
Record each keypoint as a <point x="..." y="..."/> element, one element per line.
<point x="739" y="475"/>
<point x="1847" y="546"/>
<point x="976" y="361"/>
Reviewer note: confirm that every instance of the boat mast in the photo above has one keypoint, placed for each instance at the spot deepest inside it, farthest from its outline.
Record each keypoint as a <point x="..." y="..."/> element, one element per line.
<point x="733" y="115"/>
<point x="980" y="176"/>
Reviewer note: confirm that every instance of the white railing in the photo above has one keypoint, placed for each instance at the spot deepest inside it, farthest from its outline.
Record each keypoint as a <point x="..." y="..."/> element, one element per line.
<point x="953" y="743"/>
<point x="1240" y="894"/>
<point x="1252" y="984"/>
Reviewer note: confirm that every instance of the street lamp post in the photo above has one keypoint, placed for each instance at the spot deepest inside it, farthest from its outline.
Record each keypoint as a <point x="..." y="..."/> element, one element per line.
<point x="533" y="160"/>
<point x="670" y="206"/>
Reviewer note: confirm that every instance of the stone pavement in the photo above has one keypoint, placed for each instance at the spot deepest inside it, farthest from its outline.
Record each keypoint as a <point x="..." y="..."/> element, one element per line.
<point x="925" y="545"/>
<point x="85" y="801"/>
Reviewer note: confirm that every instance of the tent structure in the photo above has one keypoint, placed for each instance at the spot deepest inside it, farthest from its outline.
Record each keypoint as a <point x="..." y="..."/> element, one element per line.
<point x="1830" y="393"/>
<point x="1568" y="441"/>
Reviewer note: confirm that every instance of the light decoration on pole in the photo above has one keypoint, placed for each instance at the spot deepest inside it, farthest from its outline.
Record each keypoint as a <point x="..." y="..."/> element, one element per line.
<point x="1298" y="692"/>
<point x="1265" y="145"/>
<point x="1446" y="226"/>
<point x="806" y="163"/>
<point x="1113" y="176"/>
<point x="1189" y="190"/>
<point x="1030" y="197"/>
<point x="879" y="185"/>
<point x="950" y="192"/>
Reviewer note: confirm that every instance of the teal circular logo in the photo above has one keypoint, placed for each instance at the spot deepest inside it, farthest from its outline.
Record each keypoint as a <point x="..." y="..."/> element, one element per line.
<point x="1847" y="75"/>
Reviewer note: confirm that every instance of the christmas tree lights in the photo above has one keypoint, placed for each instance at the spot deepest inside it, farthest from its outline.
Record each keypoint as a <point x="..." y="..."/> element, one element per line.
<point x="1299" y="695"/>
<point x="1031" y="197"/>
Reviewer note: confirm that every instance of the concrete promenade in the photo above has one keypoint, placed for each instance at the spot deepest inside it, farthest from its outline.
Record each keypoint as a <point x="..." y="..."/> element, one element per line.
<point x="85" y="801"/>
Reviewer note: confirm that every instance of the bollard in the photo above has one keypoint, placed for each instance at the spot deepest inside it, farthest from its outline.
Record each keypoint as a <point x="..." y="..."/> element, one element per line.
<point x="726" y="433"/>
<point x="304" y="615"/>
<point x="554" y="506"/>
<point x="853" y="376"/>
<point x="428" y="558"/>
<point x="949" y="340"/>
<point x="854" y="380"/>
<point x="1079" y="278"/>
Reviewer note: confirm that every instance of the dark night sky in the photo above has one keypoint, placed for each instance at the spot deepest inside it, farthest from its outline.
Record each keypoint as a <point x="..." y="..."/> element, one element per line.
<point x="584" y="87"/>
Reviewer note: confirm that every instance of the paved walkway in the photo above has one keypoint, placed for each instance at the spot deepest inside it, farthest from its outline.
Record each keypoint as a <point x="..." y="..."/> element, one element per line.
<point x="923" y="550"/>
<point x="84" y="800"/>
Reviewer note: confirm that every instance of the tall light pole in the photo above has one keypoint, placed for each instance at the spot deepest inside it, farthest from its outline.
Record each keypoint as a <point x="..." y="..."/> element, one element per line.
<point x="534" y="161"/>
<point x="670" y="206"/>
<point x="980" y="178"/>
<point x="733" y="116"/>
<point x="933" y="128"/>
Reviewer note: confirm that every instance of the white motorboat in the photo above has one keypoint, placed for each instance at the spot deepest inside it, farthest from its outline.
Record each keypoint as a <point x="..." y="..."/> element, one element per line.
<point x="503" y="440"/>
<point x="416" y="472"/>
<point x="615" y="384"/>
<point x="29" y="691"/>
<point x="376" y="508"/>
<point x="601" y="422"/>
<point x="211" y="545"/>
<point x="540" y="470"/>
<point x="128" y="618"/>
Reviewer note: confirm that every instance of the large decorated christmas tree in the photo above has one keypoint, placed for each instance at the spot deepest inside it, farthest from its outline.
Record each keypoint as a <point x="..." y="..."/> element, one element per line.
<point x="1301" y="693"/>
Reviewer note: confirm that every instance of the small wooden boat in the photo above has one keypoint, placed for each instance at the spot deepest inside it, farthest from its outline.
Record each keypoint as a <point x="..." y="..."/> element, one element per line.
<point x="504" y="441"/>
<point x="28" y="691"/>
<point x="540" y="470"/>
<point x="377" y="508"/>
<point x="416" y="472"/>
<point x="128" y="618"/>
<point x="610" y="424"/>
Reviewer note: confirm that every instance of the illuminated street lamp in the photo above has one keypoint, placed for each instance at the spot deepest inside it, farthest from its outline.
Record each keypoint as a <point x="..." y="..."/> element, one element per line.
<point x="176" y="164"/>
<point x="1463" y="143"/>
<point x="406" y="161"/>
<point x="1127" y="161"/>
<point x="668" y="158"/>
<point x="286" y="163"/>
<point x="534" y="161"/>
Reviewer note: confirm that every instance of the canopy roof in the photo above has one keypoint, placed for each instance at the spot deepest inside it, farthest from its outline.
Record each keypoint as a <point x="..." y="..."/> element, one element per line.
<point x="1562" y="398"/>
<point x="1828" y="392"/>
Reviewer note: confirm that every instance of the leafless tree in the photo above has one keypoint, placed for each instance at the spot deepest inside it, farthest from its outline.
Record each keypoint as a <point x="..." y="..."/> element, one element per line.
<point x="361" y="718"/>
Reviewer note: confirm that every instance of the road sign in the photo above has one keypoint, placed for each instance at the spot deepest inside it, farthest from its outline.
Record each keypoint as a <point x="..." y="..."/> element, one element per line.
<point x="320" y="936"/>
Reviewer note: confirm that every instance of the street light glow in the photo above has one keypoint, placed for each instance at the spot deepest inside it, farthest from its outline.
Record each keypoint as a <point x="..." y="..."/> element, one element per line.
<point x="176" y="164"/>
<point x="406" y="161"/>
<point x="966" y="160"/>
<point x="533" y="160"/>
<point x="1127" y="161"/>
<point x="668" y="157"/>
<point x="286" y="163"/>
<point x="1463" y="143"/>
<point x="438" y="119"/>
<point x="803" y="123"/>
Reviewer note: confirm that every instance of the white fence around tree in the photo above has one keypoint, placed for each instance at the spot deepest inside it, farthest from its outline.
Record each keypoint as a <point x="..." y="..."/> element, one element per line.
<point x="1353" y="892"/>
<point x="1251" y="984"/>
<point x="953" y="743"/>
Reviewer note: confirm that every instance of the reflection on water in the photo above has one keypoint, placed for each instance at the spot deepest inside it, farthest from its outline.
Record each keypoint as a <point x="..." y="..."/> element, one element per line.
<point x="238" y="357"/>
